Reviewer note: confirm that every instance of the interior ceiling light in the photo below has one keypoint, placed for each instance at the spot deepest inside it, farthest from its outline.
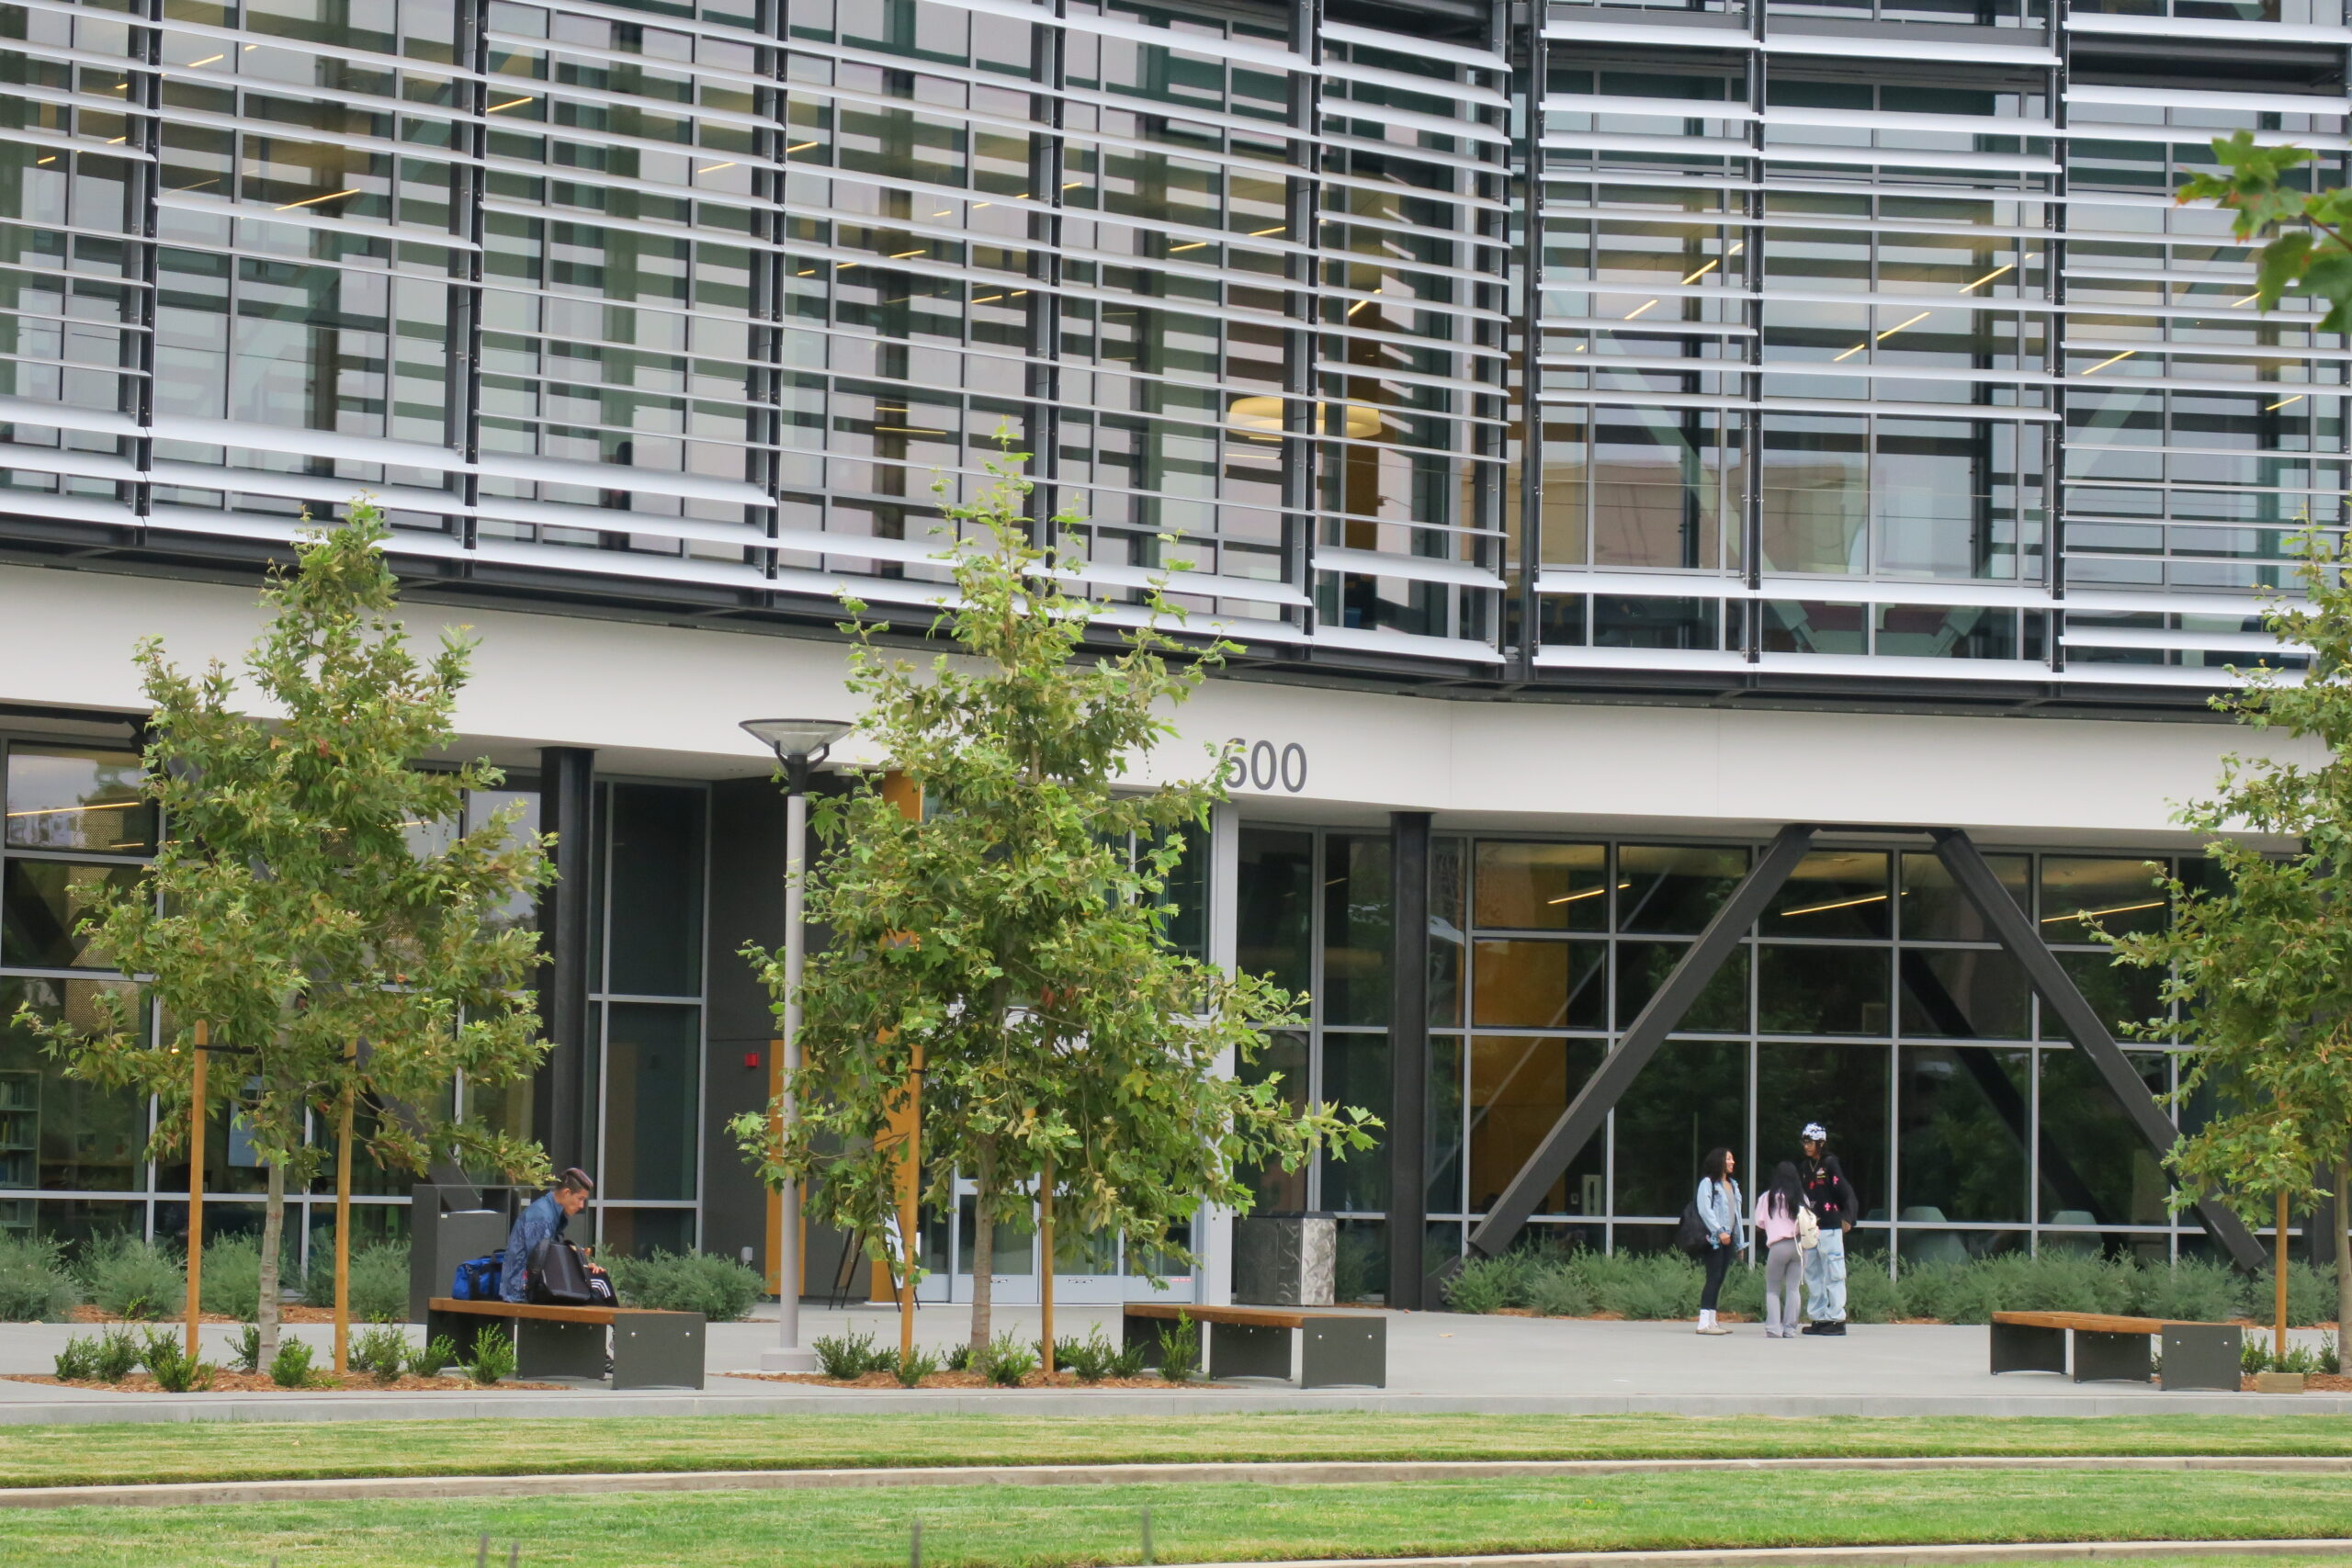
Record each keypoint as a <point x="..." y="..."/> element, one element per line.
<point x="1262" y="417"/>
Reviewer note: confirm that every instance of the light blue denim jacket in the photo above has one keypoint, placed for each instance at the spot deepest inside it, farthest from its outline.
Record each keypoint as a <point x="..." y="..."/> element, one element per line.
<point x="1719" y="1206"/>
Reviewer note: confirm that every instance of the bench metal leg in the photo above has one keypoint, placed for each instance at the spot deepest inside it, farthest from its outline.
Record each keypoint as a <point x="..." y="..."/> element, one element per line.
<point x="2111" y="1357"/>
<point x="2018" y="1348"/>
<point x="2201" y="1355"/>
<point x="657" y="1352"/>
<point x="544" y="1350"/>
<point x="458" y="1328"/>
<point x="1249" y="1350"/>
<point x="1333" y="1351"/>
<point x="1145" y="1332"/>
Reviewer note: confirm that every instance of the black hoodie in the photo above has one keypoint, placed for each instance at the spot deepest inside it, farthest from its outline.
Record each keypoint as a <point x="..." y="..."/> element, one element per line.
<point x="1827" y="1192"/>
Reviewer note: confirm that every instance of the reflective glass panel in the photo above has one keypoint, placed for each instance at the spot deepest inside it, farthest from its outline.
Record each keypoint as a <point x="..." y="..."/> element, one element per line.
<point x="1283" y="1057"/>
<point x="2120" y="995"/>
<point x="1522" y="886"/>
<point x="1935" y="910"/>
<point x="1821" y="990"/>
<point x="1355" y="1073"/>
<point x="1721" y="1004"/>
<point x="2120" y="894"/>
<point x="42" y="904"/>
<point x="656" y="891"/>
<point x="1674" y="891"/>
<point x="1518" y="1089"/>
<point x="1692" y="1097"/>
<point x="62" y="798"/>
<point x="1831" y="893"/>
<point x="1841" y="1087"/>
<point x="652" y="1093"/>
<point x="1974" y="993"/>
<point x="1356" y="946"/>
<point x="1274" y="913"/>
<point x="1966" y="1123"/>
<point x="1539" y="984"/>
<point x="2103" y="1169"/>
<point x="58" y="1131"/>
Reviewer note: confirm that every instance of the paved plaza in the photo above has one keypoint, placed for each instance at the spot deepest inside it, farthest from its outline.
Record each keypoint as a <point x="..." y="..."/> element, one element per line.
<point x="1437" y="1361"/>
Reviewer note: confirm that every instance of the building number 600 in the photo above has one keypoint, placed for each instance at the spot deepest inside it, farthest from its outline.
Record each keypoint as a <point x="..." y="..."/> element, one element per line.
<point x="1258" y="766"/>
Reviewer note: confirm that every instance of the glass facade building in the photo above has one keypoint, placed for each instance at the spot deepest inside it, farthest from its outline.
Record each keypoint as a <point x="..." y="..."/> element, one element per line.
<point x="1844" y="358"/>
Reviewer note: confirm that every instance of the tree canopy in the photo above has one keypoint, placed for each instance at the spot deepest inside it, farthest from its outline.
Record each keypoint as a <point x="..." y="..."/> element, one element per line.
<point x="1010" y="938"/>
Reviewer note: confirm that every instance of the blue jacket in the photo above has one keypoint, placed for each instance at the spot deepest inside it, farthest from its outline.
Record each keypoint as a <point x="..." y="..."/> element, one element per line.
<point x="542" y="1219"/>
<point x="1719" y="1206"/>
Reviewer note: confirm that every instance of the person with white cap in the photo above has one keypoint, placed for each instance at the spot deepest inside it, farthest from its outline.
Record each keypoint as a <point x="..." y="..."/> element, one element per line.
<point x="1831" y="1198"/>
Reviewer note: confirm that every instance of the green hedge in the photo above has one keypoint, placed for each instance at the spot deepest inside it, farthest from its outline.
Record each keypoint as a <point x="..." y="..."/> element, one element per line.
<point x="1666" y="1285"/>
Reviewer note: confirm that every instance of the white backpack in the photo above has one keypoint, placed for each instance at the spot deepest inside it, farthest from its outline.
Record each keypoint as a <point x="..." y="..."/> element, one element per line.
<point x="1808" y="1229"/>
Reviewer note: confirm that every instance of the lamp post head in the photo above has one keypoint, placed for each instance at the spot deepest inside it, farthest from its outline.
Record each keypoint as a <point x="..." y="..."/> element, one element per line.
<point x="799" y="744"/>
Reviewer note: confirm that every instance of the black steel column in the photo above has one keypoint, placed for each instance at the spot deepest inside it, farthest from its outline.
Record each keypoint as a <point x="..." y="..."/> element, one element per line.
<point x="560" y="1098"/>
<point x="1408" y="1055"/>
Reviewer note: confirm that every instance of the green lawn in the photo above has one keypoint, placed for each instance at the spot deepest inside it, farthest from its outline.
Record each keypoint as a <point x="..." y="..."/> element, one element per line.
<point x="1004" y="1527"/>
<point x="53" y="1456"/>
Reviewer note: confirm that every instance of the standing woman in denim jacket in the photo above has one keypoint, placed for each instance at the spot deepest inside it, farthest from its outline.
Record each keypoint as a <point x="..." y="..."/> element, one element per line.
<point x="1727" y="1222"/>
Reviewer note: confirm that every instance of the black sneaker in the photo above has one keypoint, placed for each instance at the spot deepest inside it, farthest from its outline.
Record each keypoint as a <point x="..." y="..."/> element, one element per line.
<point x="1836" y="1329"/>
<point x="1814" y="1329"/>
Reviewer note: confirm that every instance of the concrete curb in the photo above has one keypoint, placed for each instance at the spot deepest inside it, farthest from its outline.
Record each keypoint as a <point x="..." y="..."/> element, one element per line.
<point x="1313" y="1472"/>
<point x="1846" y="1556"/>
<point x="1220" y="1401"/>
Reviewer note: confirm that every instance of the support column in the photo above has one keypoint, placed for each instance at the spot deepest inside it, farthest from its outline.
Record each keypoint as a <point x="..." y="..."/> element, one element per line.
<point x="1408" y="1055"/>
<point x="1213" y="1241"/>
<point x="560" y="1100"/>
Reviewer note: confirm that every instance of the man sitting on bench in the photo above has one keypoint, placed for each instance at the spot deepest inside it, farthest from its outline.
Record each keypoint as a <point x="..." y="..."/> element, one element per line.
<point x="544" y="1220"/>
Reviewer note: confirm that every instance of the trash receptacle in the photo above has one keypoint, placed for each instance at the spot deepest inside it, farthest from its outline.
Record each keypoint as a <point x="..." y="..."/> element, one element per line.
<point x="1285" y="1259"/>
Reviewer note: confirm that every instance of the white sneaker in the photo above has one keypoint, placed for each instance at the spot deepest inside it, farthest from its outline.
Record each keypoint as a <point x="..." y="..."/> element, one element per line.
<point x="1715" y="1328"/>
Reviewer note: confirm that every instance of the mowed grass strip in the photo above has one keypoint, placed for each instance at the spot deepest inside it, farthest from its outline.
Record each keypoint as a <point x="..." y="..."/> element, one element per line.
<point x="166" y="1452"/>
<point x="1004" y="1527"/>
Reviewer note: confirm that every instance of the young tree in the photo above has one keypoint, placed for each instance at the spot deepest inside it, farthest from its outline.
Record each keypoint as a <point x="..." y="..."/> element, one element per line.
<point x="2303" y="226"/>
<point x="299" y="906"/>
<point x="2260" y="957"/>
<point x="1011" y="937"/>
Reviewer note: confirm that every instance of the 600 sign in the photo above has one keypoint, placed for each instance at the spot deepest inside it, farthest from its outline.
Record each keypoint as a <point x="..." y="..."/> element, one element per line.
<point x="1259" y="765"/>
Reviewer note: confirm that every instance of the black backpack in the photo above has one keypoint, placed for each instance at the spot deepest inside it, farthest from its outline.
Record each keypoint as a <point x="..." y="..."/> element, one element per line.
<point x="559" y="1277"/>
<point x="1692" y="1235"/>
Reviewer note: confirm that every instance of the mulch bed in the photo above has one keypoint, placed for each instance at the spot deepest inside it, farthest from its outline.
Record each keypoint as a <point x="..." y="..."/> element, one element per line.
<point x="88" y="1314"/>
<point x="2313" y="1383"/>
<point x="959" y="1379"/>
<point x="321" y="1382"/>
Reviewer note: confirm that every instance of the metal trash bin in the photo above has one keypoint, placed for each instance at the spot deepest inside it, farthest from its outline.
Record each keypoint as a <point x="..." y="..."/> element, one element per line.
<point x="1285" y="1259"/>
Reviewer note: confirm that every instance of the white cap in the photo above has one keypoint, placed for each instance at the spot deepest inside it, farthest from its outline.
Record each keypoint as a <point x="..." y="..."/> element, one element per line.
<point x="1814" y="1132"/>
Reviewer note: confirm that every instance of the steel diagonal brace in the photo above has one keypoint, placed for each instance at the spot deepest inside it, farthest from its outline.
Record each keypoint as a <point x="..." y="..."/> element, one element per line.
<point x="1591" y="1106"/>
<point x="2081" y="1023"/>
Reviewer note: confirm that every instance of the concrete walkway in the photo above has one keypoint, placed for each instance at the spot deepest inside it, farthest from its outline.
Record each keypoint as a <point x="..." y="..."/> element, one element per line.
<point x="1309" y="1472"/>
<point x="1437" y="1361"/>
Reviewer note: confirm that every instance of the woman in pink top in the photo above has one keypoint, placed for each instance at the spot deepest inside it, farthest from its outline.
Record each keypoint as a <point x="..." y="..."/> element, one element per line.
<point x="1776" y="1220"/>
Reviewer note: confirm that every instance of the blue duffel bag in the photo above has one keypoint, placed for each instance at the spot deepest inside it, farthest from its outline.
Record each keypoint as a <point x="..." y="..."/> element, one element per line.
<point x="477" y="1278"/>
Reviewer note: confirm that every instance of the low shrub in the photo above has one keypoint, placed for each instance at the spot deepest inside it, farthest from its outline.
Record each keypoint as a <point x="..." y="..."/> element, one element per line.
<point x="2195" y="1290"/>
<point x="1488" y="1284"/>
<point x="1179" y="1349"/>
<point x="246" y="1349"/>
<point x="721" y="1289"/>
<point x="78" y="1362"/>
<point x="912" y="1366"/>
<point x="1089" y="1359"/>
<point x="959" y="1357"/>
<point x="2311" y="1295"/>
<point x="127" y="1276"/>
<point x="492" y="1359"/>
<point x="382" y="1351"/>
<point x="428" y="1359"/>
<point x="115" y="1356"/>
<point x="291" y="1367"/>
<point x="231" y="1282"/>
<point x="1130" y="1360"/>
<point x="1643" y="1286"/>
<point x="852" y="1354"/>
<point x="1871" y="1296"/>
<point x="1006" y="1362"/>
<point x="175" y="1370"/>
<point x="1561" y="1292"/>
<point x="379" y="1278"/>
<point x="35" y="1284"/>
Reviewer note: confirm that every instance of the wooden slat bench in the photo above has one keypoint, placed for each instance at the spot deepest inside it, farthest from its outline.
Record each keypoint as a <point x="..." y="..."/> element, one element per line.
<point x="1334" y="1348"/>
<point x="650" y="1349"/>
<point x="2111" y="1348"/>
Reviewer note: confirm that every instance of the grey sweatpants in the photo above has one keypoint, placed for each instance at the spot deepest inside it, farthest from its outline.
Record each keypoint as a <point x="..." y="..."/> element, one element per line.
<point x="1783" y="1280"/>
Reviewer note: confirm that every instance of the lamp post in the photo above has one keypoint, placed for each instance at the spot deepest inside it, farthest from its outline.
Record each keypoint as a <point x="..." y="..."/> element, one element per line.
<point x="800" y="745"/>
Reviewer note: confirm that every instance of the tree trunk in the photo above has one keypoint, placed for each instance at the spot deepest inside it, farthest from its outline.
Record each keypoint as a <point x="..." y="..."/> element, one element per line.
<point x="273" y="1229"/>
<point x="1045" y="1271"/>
<point x="2343" y="1252"/>
<point x="983" y="1250"/>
